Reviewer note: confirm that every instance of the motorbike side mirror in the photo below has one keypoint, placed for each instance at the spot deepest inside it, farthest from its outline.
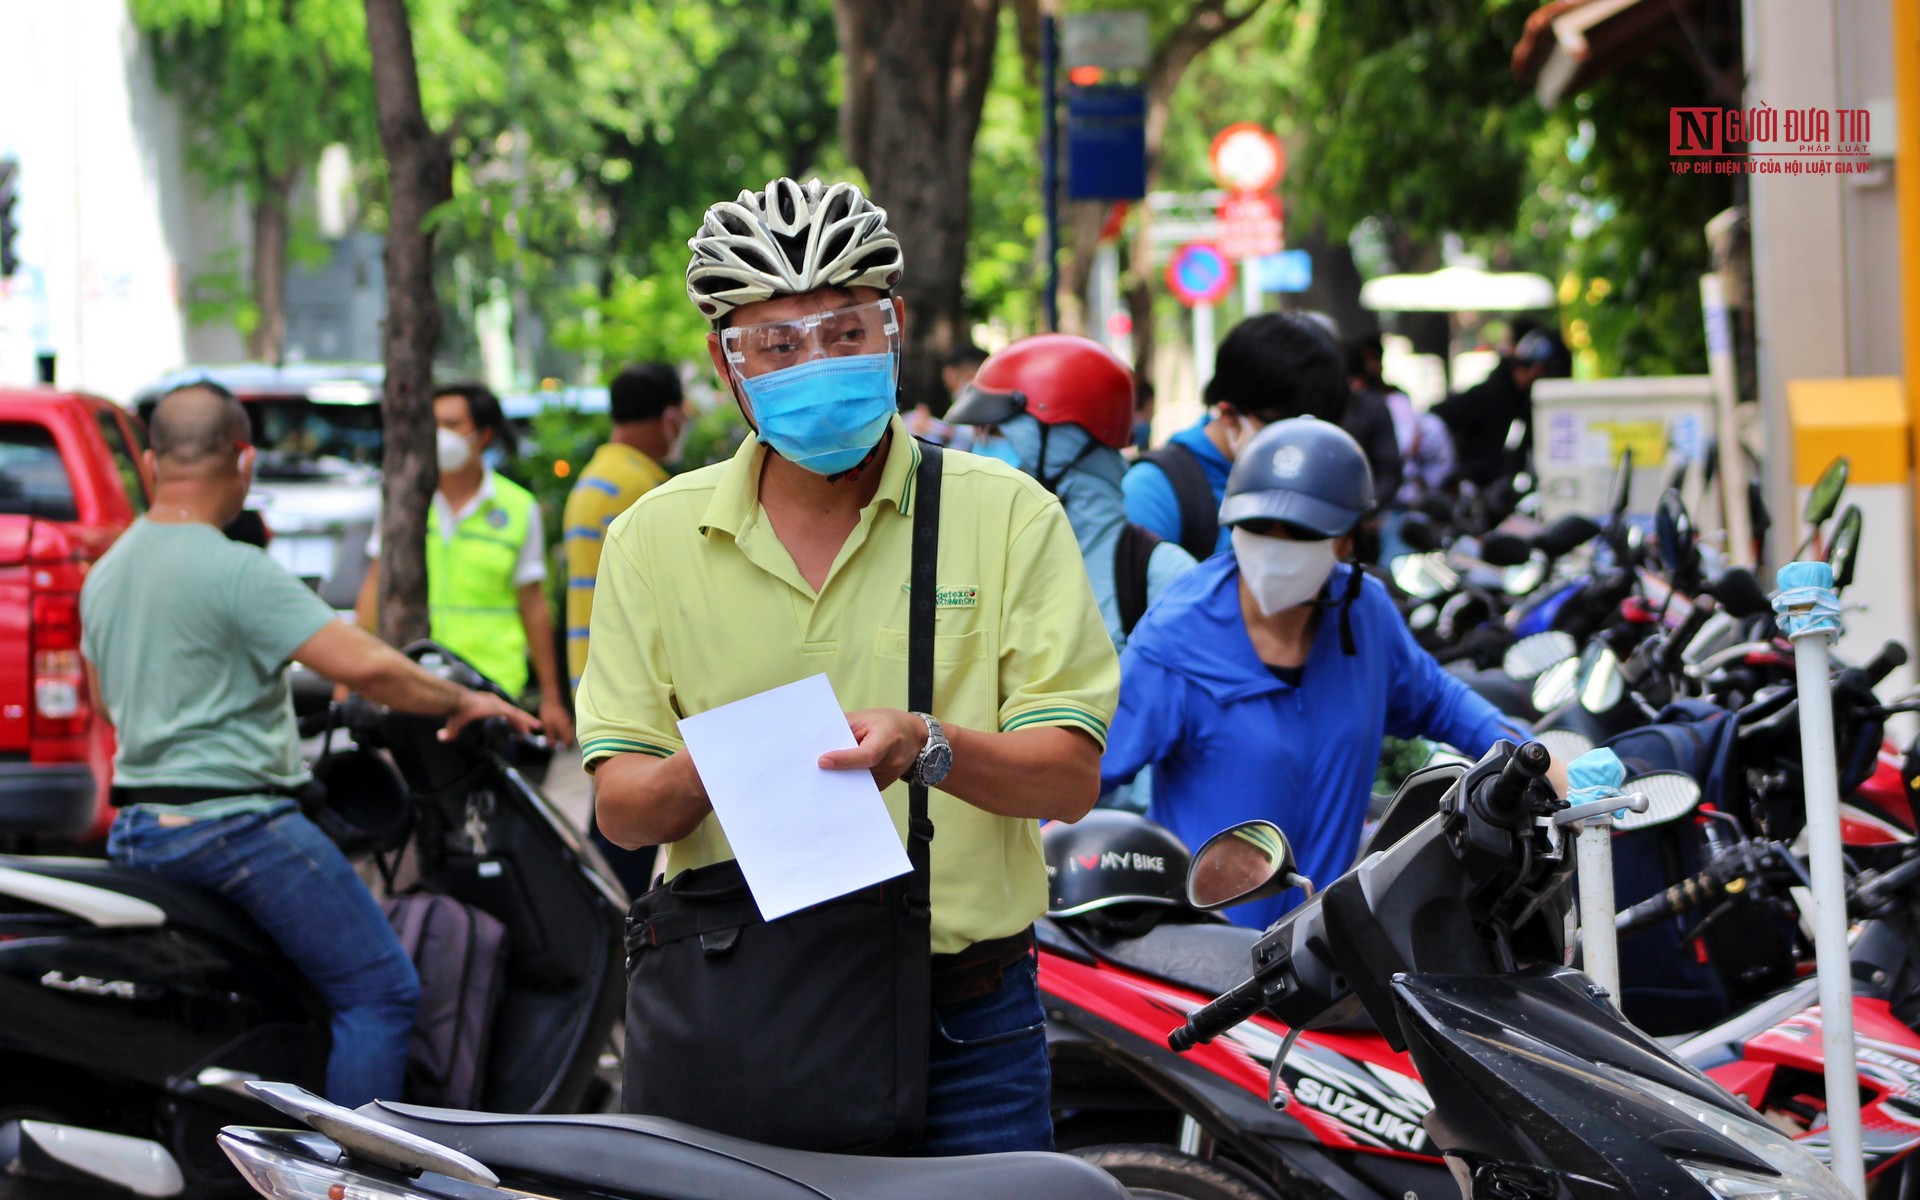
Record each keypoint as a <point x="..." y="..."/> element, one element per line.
<point x="1564" y="744"/>
<point x="1739" y="593"/>
<point x="1527" y="658"/>
<point x="1673" y="529"/>
<point x="1504" y="550"/>
<point x="1244" y="862"/>
<point x="1566" y="535"/>
<point x="1622" y="483"/>
<point x="1601" y="685"/>
<point x="1556" y="686"/>
<point x="1420" y="533"/>
<point x="1825" y="494"/>
<point x="1670" y="795"/>
<point x="1844" y="554"/>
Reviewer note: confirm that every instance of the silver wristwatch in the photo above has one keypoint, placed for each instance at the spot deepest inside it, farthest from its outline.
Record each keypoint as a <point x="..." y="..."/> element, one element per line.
<point x="936" y="757"/>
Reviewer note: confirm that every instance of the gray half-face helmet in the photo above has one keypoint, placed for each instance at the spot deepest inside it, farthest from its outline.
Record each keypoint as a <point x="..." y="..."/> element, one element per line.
<point x="1306" y="473"/>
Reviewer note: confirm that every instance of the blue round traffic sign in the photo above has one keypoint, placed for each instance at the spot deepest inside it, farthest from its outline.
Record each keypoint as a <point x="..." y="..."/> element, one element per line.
<point x="1199" y="274"/>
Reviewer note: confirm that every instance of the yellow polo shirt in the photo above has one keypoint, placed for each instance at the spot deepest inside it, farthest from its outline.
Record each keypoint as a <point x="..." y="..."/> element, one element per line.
<point x="617" y="476"/>
<point x="699" y="604"/>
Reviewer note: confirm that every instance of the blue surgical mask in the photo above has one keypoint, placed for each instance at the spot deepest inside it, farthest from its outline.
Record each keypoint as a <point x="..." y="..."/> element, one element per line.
<point x="995" y="446"/>
<point x="828" y="414"/>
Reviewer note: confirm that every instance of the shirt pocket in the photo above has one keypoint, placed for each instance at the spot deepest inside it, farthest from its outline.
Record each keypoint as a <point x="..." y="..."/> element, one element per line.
<point x="970" y="646"/>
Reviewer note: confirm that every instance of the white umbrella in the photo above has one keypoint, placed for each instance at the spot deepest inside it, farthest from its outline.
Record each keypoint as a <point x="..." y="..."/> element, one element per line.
<point x="1458" y="289"/>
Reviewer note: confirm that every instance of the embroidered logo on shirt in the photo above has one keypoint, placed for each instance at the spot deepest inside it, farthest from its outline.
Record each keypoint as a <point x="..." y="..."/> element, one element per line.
<point x="951" y="597"/>
<point x="497" y="518"/>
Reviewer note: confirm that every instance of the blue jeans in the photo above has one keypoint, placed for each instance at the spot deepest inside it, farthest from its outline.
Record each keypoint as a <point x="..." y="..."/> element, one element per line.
<point x="988" y="1084"/>
<point x="297" y="886"/>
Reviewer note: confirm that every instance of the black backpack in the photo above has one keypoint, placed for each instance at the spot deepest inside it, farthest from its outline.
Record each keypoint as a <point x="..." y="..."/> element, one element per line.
<point x="461" y="954"/>
<point x="1130" y="558"/>
<point x="1199" y="509"/>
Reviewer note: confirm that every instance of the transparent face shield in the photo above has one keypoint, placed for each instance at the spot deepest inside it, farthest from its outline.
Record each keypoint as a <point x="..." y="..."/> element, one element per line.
<point x="860" y="329"/>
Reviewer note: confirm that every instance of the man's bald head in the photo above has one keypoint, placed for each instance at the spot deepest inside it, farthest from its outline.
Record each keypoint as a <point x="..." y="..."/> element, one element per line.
<point x="196" y="428"/>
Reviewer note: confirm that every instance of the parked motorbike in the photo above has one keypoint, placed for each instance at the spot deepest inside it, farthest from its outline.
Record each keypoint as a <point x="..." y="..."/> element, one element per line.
<point x="1451" y="941"/>
<point x="138" y="1011"/>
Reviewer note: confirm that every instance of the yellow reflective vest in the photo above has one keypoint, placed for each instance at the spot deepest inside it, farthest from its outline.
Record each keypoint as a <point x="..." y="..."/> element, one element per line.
<point x="472" y="603"/>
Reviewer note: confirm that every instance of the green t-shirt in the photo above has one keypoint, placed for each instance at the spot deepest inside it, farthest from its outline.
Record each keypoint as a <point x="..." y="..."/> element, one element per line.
<point x="191" y="634"/>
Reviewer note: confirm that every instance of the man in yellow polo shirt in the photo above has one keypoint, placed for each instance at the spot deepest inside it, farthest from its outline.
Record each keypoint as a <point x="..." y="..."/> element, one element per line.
<point x="792" y="558"/>
<point x="644" y="402"/>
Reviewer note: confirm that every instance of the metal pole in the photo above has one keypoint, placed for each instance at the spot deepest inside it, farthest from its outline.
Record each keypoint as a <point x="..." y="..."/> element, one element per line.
<point x="1249" y="289"/>
<point x="1050" y="164"/>
<point x="1599" y="950"/>
<point x="1733" y="456"/>
<point x="1810" y="614"/>
<point x="1202" y="345"/>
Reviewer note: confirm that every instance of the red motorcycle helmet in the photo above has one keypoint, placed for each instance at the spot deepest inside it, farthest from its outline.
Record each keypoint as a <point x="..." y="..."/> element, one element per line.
<point x="1056" y="378"/>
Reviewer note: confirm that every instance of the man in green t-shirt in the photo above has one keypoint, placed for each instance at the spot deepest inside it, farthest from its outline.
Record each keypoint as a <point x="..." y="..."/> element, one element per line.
<point x="187" y="637"/>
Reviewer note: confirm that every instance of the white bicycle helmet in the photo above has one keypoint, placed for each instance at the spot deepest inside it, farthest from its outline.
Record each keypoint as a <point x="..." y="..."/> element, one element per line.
<point x="787" y="240"/>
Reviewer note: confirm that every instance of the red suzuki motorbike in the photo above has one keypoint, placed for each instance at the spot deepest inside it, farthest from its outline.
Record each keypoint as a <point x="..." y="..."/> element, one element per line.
<point x="1265" y="1111"/>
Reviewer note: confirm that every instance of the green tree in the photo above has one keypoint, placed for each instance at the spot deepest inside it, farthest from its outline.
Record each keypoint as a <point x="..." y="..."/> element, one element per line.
<point x="264" y="86"/>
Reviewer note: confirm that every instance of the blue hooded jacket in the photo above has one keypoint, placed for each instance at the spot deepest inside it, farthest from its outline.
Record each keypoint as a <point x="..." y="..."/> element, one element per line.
<point x="1231" y="742"/>
<point x="1089" y="490"/>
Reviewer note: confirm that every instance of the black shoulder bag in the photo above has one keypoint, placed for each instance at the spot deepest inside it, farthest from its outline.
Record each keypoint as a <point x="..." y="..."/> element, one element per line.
<point x="810" y="1031"/>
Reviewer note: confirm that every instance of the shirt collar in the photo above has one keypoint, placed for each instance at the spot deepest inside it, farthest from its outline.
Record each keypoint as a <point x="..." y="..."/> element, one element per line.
<point x="472" y="506"/>
<point x="737" y="496"/>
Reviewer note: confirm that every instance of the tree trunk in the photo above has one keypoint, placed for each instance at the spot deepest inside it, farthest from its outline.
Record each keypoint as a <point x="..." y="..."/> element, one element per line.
<point x="420" y="175"/>
<point x="267" y="342"/>
<point x="916" y="77"/>
<point x="1335" y="290"/>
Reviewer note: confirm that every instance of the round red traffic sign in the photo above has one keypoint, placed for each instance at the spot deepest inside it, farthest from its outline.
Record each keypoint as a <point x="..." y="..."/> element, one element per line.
<point x="1199" y="274"/>
<point x="1247" y="158"/>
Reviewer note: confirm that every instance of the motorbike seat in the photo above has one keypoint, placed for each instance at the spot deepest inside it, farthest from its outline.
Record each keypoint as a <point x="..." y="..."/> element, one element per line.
<point x="1210" y="959"/>
<point x="631" y="1155"/>
<point x="186" y="907"/>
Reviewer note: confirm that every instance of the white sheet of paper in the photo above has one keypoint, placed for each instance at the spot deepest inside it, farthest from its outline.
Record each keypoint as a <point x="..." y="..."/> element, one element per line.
<point x="802" y="835"/>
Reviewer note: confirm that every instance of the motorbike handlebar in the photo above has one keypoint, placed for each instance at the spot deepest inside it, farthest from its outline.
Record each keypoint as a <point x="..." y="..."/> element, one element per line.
<point x="1505" y="802"/>
<point x="1892" y="656"/>
<point x="1671" y="656"/>
<point x="1219" y="1015"/>
<point x="1682" y="897"/>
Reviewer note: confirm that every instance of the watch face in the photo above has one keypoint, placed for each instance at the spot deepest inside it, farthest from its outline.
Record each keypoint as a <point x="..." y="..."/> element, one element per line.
<point x="938" y="762"/>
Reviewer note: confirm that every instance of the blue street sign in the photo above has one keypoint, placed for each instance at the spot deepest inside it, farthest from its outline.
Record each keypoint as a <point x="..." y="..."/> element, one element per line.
<point x="1107" y="142"/>
<point x="1287" y="271"/>
<point x="1199" y="274"/>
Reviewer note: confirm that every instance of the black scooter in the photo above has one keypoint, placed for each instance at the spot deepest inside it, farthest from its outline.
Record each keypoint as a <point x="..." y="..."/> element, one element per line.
<point x="1451" y="941"/>
<point x="137" y="1011"/>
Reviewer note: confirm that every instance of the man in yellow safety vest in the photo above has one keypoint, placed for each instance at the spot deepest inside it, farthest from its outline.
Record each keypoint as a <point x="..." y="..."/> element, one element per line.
<point x="486" y="558"/>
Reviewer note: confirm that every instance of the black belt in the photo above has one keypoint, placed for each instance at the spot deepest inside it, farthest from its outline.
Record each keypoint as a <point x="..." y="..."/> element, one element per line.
<point x="978" y="970"/>
<point x="127" y="797"/>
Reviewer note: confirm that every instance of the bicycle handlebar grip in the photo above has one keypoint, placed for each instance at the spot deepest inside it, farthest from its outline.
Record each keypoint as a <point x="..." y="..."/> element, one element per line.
<point x="1216" y="1017"/>
<point x="1505" y="803"/>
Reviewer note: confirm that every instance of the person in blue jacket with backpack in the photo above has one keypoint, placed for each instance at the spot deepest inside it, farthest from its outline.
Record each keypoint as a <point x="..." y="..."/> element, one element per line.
<point x="1261" y="684"/>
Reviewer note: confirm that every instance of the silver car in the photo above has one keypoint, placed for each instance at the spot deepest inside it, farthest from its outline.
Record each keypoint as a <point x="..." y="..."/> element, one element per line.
<point x="317" y="430"/>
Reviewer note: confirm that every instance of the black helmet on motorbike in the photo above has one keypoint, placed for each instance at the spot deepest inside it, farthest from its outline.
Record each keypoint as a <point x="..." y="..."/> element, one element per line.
<point x="1111" y="858"/>
<point x="360" y="802"/>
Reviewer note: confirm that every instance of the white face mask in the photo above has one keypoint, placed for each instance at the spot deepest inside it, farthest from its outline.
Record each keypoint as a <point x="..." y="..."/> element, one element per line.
<point x="1280" y="573"/>
<point x="452" y="450"/>
<point x="1238" y="437"/>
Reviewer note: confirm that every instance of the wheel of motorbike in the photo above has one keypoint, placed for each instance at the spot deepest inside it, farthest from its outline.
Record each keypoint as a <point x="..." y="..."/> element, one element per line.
<point x="1163" y="1173"/>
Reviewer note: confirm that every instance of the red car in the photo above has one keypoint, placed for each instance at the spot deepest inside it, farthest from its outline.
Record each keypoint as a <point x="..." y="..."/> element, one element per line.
<point x="71" y="478"/>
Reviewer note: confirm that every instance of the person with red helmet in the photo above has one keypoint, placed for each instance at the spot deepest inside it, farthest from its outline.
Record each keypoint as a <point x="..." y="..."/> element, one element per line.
<point x="1064" y="406"/>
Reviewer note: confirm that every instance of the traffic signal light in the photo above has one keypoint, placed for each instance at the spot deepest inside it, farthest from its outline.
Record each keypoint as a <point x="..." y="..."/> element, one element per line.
<point x="9" y="196"/>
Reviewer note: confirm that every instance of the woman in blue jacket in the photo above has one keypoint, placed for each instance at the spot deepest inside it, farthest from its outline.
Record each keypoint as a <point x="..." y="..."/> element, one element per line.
<point x="1260" y="685"/>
